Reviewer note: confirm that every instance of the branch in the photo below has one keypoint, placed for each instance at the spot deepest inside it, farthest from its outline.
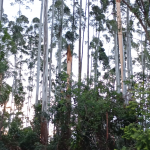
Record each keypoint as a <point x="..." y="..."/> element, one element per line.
<point x="140" y="20"/>
<point x="140" y="6"/>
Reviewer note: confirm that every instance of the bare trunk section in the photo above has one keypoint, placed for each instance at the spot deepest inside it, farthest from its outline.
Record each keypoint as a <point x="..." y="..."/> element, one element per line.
<point x="116" y="59"/>
<point x="69" y="61"/>
<point x="39" y="53"/>
<point x="107" y="135"/>
<point x="121" y="47"/>
<point x="68" y="98"/>
<point x="1" y="9"/>
<point x="51" y="52"/>
<point x="65" y="130"/>
<point x="95" y="68"/>
<point x="45" y="59"/>
<point x="83" y="36"/>
<point x="44" y="130"/>
<point x="60" y="35"/>
<point x="79" y="53"/>
<point x="88" y="45"/>
<point x="129" y="58"/>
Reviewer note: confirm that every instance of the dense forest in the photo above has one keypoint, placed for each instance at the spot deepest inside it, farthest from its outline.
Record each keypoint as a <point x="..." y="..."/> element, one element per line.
<point x="80" y="73"/>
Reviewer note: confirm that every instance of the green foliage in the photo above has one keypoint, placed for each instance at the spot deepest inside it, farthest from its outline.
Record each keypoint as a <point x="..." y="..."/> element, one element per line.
<point x="2" y="146"/>
<point x="30" y="138"/>
<point x="78" y="111"/>
<point x="5" y="91"/>
<point x="136" y="133"/>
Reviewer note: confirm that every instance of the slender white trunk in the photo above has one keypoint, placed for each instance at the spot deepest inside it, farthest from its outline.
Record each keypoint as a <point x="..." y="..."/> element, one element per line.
<point x="51" y="49"/>
<point x="83" y="35"/>
<point x="129" y="58"/>
<point x="39" y="53"/>
<point x="117" y="64"/>
<point x="121" y="48"/>
<point x="91" y="64"/>
<point x="60" y="35"/>
<point x="116" y="58"/>
<point x="88" y="44"/>
<point x="95" y="67"/>
<point x="79" y="53"/>
<point x="1" y="9"/>
<point x="124" y="74"/>
<point x="45" y="59"/>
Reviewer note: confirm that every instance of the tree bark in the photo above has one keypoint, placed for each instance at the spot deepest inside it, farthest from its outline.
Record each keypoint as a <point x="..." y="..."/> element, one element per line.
<point x="107" y="126"/>
<point x="39" y="53"/>
<point x="88" y="45"/>
<point x="116" y="58"/>
<point x="45" y="61"/>
<point x="129" y="58"/>
<point x="140" y="20"/>
<point x="79" y="53"/>
<point x="121" y="47"/>
<point x="44" y="130"/>
<point x="60" y="35"/>
<point x="1" y="9"/>
<point x="51" y="51"/>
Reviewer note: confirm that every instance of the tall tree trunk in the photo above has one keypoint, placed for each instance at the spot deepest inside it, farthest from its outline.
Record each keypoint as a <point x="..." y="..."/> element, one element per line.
<point x="88" y="44"/>
<point x="95" y="67"/>
<point x="121" y="48"/>
<point x="107" y="128"/>
<point x="116" y="58"/>
<point x="39" y="53"/>
<point x="67" y="132"/>
<point x="60" y="35"/>
<point x="83" y="37"/>
<point x="129" y="58"/>
<point x="51" y="50"/>
<point x="44" y="131"/>
<point x="1" y="9"/>
<point x="79" y="53"/>
<point x="95" y="61"/>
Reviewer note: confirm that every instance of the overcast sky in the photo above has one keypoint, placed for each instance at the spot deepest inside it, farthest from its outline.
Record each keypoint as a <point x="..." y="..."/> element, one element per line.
<point x="12" y="11"/>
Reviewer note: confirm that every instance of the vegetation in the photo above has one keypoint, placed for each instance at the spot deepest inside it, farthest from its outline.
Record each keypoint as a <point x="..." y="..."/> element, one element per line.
<point x="108" y="108"/>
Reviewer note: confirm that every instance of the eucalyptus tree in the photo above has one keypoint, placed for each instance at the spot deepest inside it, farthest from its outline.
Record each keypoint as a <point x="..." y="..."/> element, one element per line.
<point x="121" y="49"/>
<point x="6" y="46"/>
<point x="32" y="46"/>
<point x="44" y="130"/>
<point x="60" y="34"/>
<point x="79" y="52"/>
<point x="51" y="51"/>
<point x="1" y="9"/>
<point x="140" y="9"/>
<point x="116" y="53"/>
<point x="97" y="21"/>
<point x="100" y="55"/>
<point x="129" y="57"/>
<point x="16" y="30"/>
<point x="88" y="40"/>
<point x="39" y="52"/>
<point x="83" y="41"/>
